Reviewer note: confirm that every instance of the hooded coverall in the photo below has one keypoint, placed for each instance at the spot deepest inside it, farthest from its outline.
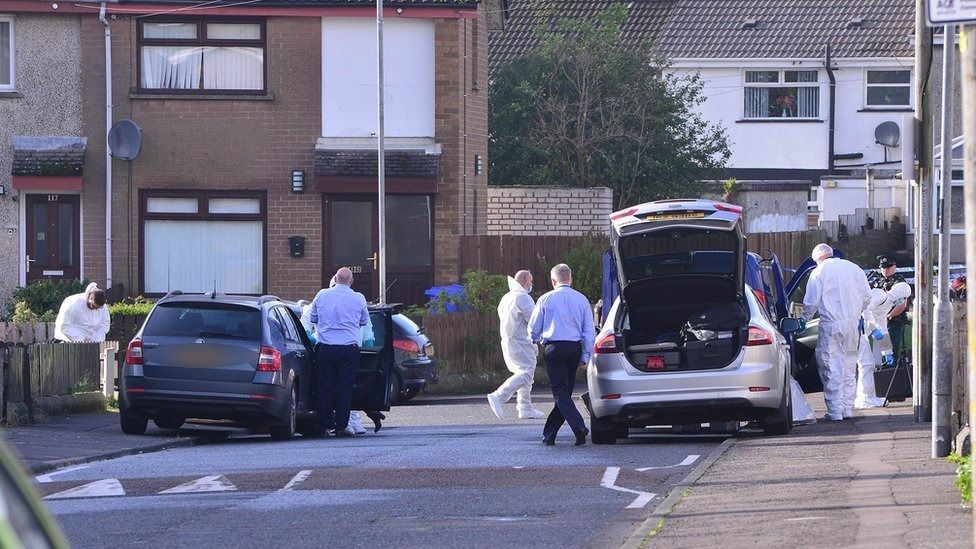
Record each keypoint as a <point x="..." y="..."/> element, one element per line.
<point x="514" y="311"/>
<point x="839" y="290"/>
<point x="77" y="322"/>
<point x="875" y="318"/>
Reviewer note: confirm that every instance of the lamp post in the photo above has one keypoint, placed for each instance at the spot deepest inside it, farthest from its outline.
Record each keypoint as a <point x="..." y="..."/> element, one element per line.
<point x="380" y="167"/>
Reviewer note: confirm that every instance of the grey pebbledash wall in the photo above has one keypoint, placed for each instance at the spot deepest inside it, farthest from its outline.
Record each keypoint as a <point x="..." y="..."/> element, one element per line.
<point x="47" y="101"/>
<point x="552" y="211"/>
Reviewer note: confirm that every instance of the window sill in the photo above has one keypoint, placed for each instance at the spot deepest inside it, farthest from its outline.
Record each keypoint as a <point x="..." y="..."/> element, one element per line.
<point x="894" y="109"/>
<point x="779" y="120"/>
<point x="202" y="96"/>
<point x="10" y="95"/>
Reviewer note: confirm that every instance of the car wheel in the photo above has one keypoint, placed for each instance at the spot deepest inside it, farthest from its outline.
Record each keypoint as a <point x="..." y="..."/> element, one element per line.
<point x="133" y="425"/>
<point x="287" y="430"/>
<point x="168" y="422"/>
<point x="407" y="394"/>
<point x="781" y="421"/>
<point x="396" y="390"/>
<point x="602" y="431"/>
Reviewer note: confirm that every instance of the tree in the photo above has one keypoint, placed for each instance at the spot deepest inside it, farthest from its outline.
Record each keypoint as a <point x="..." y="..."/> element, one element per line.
<point x="588" y="108"/>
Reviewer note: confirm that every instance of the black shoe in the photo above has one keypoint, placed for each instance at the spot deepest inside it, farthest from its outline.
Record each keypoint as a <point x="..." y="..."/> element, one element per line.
<point x="548" y="441"/>
<point x="341" y="433"/>
<point x="581" y="438"/>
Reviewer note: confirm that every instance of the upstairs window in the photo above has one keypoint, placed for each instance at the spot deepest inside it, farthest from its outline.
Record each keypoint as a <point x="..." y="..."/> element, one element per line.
<point x="782" y="94"/>
<point x="202" y="56"/>
<point x="888" y="89"/>
<point x="6" y="53"/>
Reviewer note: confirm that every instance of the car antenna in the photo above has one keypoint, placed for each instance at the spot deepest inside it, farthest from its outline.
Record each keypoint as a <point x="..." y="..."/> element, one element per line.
<point x="214" y="294"/>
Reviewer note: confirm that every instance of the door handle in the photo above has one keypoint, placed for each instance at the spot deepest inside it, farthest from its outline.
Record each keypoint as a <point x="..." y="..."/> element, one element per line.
<point x="29" y="261"/>
<point x="375" y="258"/>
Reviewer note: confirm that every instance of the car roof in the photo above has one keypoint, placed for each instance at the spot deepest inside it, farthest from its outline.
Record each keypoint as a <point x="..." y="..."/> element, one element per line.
<point x="256" y="301"/>
<point x="716" y="214"/>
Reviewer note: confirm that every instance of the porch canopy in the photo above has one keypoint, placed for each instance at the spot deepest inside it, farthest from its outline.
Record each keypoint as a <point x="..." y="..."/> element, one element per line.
<point x="48" y="163"/>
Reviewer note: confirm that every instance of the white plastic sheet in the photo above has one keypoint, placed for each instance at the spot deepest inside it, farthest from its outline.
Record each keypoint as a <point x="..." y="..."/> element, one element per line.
<point x="802" y="412"/>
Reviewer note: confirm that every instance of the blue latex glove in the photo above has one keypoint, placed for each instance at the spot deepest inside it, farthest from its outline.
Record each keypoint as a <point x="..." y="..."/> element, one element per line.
<point x="888" y="360"/>
<point x="860" y="326"/>
<point x="803" y="325"/>
<point x="370" y="343"/>
<point x="877" y="334"/>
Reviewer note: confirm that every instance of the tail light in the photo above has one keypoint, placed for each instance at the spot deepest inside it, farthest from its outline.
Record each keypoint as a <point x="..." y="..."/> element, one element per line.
<point x="758" y="336"/>
<point x="269" y="360"/>
<point x="761" y="296"/>
<point x="408" y="347"/>
<point x="606" y="344"/>
<point x="133" y="354"/>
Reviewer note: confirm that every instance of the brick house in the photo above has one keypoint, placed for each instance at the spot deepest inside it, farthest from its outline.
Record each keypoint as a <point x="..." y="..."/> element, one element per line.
<point x="257" y="170"/>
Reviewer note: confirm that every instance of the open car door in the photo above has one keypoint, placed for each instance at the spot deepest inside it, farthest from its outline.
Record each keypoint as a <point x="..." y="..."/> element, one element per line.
<point x="372" y="390"/>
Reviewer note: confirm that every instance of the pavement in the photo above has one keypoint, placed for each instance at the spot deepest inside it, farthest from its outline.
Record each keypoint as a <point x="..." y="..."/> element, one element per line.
<point x="869" y="482"/>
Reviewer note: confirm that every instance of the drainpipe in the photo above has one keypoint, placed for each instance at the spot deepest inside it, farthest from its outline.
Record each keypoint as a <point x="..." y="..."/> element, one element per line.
<point x="108" y="153"/>
<point x="830" y="112"/>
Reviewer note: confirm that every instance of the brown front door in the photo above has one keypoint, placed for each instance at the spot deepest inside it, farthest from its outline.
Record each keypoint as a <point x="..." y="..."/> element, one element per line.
<point x="352" y="241"/>
<point x="53" y="236"/>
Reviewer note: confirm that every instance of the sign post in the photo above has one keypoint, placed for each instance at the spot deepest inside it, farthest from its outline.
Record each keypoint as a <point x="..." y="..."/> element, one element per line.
<point x="948" y="12"/>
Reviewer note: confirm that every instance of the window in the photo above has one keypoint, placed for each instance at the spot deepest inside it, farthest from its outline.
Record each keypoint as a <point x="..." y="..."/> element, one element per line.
<point x="6" y="53"/>
<point x="888" y="89"/>
<point x="211" y="320"/>
<point x="782" y="94"/>
<point x="202" y="56"/>
<point x="227" y="232"/>
<point x="813" y="200"/>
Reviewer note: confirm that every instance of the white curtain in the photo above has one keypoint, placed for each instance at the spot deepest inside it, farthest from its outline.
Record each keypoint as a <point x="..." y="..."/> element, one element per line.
<point x="757" y="103"/>
<point x="171" y="67"/>
<point x="228" y="252"/>
<point x="5" y="53"/>
<point x="169" y="30"/>
<point x="233" y="31"/>
<point x="808" y="102"/>
<point x="233" y="68"/>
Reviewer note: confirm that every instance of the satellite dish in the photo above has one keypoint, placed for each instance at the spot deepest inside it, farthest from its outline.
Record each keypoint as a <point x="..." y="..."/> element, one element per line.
<point x="125" y="139"/>
<point x="887" y="134"/>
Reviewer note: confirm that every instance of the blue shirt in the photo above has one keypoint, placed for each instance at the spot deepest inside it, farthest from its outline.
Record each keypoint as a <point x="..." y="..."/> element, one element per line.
<point x="563" y="315"/>
<point x="337" y="314"/>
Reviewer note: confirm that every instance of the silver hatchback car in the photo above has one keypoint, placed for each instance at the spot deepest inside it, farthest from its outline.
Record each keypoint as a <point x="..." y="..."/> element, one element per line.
<point x="687" y="340"/>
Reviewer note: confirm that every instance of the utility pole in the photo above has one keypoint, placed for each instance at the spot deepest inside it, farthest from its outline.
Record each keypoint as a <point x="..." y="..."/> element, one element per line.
<point x="967" y="46"/>
<point x="381" y="151"/>
<point x="922" y="316"/>
<point x="942" y="350"/>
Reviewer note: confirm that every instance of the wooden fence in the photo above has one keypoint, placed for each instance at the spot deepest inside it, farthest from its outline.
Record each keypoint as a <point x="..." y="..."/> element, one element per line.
<point x="122" y="329"/>
<point x="48" y="369"/>
<point x="465" y="342"/>
<point x="791" y="248"/>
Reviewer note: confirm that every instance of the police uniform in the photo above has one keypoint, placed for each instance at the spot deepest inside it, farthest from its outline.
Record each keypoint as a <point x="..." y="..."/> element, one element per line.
<point x="877" y="279"/>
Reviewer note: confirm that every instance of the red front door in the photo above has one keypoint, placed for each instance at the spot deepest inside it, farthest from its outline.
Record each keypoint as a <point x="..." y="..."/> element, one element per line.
<point x="53" y="236"/>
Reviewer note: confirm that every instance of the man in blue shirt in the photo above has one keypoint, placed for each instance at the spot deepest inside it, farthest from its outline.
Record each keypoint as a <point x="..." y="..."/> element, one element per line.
<point x="562" y="322"/>
<point x="338" y="314"/>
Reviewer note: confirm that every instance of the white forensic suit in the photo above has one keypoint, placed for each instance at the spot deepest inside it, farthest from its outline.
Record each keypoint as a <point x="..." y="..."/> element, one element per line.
<point x="875" y="318"/>
<point x="519" y="352"/>
<point x="839" y="290"/>
<point x="78" y="323"/>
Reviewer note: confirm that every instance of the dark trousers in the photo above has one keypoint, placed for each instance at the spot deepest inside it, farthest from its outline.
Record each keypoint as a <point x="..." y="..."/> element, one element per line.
<point x="336" y="365"/>
<point x="897" y="332"/>
<point x="562" y="361"/>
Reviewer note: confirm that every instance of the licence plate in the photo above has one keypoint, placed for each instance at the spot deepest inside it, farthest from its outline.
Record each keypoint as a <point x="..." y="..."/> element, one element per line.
<point x="675" y="215"/>
<point x="655" y="362"/>
<point x="200" y="358"/>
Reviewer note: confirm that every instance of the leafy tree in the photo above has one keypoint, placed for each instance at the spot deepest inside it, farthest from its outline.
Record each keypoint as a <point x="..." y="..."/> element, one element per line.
<point x="588" y="108"/>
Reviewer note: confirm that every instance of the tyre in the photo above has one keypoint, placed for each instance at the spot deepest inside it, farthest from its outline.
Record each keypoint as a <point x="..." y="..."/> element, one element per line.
<point x="286" y="430"/>
<point x="133" y="425"/>
<point x="781" y="421"/>
<point x="602" y="431"/>
<point x="168" y="422"/>
<point x="396" y="390"/>
<point x="408" y="394"/>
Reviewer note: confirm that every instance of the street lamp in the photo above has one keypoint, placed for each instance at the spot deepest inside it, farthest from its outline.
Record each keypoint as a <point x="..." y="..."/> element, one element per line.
<point x="380" y="164"/>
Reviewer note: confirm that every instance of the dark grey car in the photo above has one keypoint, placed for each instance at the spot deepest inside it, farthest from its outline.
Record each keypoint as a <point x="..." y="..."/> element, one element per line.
<point x="244" y="359"/>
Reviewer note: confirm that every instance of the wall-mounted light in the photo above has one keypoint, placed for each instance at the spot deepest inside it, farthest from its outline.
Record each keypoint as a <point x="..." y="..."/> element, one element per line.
<point x="3" y="190"/>
<point x="477" y="164"/>
<point x="298" y="181"/>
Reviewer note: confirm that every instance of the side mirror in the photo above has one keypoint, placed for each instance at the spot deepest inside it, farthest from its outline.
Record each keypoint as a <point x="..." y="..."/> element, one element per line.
<point x="789" y="325"/>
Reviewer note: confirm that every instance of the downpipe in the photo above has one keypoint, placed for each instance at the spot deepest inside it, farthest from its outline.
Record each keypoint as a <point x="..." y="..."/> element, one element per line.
<point x="108" y="153"/>
<point x="831" y="109"/>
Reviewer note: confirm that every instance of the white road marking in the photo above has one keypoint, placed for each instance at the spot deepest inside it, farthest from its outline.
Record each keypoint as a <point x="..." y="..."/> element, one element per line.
<point x="296" y="480"/>
<point x="518" y="466"/>
<point x="610" y="481"/>
<point x="688" y="461"/>
<point x="98" y="489"/>
<point x="798" y="519"/>
<point x="50" y="476"/>
<point x="211" y="483"/>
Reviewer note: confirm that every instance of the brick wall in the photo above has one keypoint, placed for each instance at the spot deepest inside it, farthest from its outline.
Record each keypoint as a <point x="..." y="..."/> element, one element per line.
<point x="548" y="211"/>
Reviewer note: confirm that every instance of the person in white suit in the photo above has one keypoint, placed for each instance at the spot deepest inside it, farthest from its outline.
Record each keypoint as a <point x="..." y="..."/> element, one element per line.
<point x="520" y="354"/>
<point x="83" y="318"/>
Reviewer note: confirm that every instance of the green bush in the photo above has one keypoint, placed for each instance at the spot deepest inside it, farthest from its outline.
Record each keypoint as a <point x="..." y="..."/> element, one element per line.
<point x="586" y="261"/>
<point x="483" y="291"/>
<point x="24" y="314"/>
<point x="44" y="297"/>
<point x="964" y="476"/>
<point x="131" y="306"/>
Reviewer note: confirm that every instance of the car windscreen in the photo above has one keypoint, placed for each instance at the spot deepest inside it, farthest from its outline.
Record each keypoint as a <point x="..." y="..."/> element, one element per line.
<point x="678" y="251"/>
<point x="204" y="320"/>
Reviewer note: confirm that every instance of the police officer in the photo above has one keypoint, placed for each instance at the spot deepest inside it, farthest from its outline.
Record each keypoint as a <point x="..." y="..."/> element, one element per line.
<point x="884" y="278"/>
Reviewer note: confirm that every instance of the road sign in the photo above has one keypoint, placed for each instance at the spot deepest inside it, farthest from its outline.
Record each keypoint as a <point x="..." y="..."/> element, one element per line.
<point x="944" y="12"/>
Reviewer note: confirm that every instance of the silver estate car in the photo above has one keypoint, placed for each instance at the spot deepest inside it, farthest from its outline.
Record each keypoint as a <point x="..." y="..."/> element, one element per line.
<point x="687" y="341"/>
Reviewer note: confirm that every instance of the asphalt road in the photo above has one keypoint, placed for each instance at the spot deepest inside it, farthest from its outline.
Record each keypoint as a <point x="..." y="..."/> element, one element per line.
<point x="442" y="472"/>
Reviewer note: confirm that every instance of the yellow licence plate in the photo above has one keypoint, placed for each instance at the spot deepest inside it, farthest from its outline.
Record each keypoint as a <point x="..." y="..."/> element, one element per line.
<point x="675" y="215"/>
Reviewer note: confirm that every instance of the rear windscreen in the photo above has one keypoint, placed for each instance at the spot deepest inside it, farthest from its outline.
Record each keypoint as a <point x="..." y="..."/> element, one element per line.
<point x="678" y="251"/>
<point x="204" y="320"/>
